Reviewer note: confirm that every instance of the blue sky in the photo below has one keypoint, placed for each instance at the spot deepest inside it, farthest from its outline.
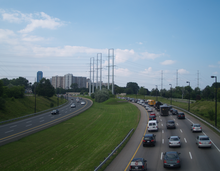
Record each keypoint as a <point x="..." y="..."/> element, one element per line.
<point x="173" y="37"/>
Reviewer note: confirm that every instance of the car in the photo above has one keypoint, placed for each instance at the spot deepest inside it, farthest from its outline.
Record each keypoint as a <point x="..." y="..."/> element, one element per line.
<point x="149" y="109"/>
<point x="73" y="105"/>
<point x="181" y="115"/>
<point x="152" y="117"/>
<point x="152" y="126"/>
<point x="152" y="114"/>
<point x="174" y="141"/>
<point x="171" y="159"/>
<point x="174" y="112"/>
<point x="203" y="141"/>
<point x="139" y="164"/>
<point x="149" y="140"/>
<point x="196" y="128"/>
<point x="171" y="124"/>
<point x="82" y="103"/>
<point x="54" y="112"/>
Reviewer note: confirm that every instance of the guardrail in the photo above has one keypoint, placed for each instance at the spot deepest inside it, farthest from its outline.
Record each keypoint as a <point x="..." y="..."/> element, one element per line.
<point x="14" y="119"/>
<point x="198" y="118"/>
<point x="106" y="159"/>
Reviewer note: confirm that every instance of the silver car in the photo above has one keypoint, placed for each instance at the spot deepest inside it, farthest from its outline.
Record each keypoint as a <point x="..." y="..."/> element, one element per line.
<point x="196" y="128"/>
<point x="203" y="141"/>
<point x="174" y="141"/>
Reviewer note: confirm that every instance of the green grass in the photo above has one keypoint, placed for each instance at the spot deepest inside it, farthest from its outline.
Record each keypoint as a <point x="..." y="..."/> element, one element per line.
<point x="80" y="143"/>
<point x="23" y="106"/>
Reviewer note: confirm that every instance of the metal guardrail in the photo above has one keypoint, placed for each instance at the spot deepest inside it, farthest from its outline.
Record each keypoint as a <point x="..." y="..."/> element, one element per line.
<point x="198" y="118"/>
<point x="33" y="114"/>
<point x="106" y="159"/>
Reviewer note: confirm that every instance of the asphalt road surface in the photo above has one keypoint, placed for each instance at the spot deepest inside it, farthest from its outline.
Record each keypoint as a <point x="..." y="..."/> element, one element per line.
<point x="192" y="158"/>
<point x="16" y="130"/>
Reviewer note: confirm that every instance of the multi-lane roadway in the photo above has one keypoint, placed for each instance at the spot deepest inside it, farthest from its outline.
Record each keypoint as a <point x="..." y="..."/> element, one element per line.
<point x="16" y="130"/>
<point x="192" y="157"/>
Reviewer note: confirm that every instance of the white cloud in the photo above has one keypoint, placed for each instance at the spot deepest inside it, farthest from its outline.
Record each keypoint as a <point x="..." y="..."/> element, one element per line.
<point x="167" y="62"/>
<point x="182" y="71"/>
<point x="123" y="72"/>
<point x="36" y="20"/>
<point x="32" y="38"/>
<point x="212" y="66"/>
<point x="147" y="55"/>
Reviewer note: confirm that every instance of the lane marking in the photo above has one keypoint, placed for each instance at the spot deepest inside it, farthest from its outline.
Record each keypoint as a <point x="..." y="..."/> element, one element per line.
<point x="212" y="143"/>
<point x="161" y="156"/>
<point x="162" y="141"/>
<point x="181" y="130"/>
<point x="28" y="125"/>
<point x="161" y="124"/>
<point x="137" y="148"/>
<point x="13" y="126"/>
<point x="162" y="131"/>
<point x="190" y="155"/>
<point x="9" y="131"/>
<point x="177" y="124"/>
<point x="185" y="140"/>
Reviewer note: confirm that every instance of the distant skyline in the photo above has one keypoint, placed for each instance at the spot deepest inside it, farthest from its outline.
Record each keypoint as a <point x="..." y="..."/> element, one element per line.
<point x="148" y="37"/>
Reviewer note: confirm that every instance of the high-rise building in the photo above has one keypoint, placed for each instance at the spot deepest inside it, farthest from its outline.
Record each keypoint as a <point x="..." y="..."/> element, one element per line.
<point x="57" y="82"/>
<point x="39" y="76"/>
<point x="68" y="80"/>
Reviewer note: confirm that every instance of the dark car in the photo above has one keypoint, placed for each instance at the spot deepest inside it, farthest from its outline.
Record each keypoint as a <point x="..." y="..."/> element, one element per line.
<point x="181" y="115"/>
<point x="54" y="112"/>
<point x="171" y="159"/>
<point x="152" y="117"/>
<point x="149" y="140"/>
<point x="174" y="112"/>
<point x="171" y="124"/>
<point x="138" y="164"/>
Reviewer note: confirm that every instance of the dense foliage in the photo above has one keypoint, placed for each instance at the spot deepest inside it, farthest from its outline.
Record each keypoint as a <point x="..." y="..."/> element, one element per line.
<point x="101" y="95"/>
<point x="44" y="88"/>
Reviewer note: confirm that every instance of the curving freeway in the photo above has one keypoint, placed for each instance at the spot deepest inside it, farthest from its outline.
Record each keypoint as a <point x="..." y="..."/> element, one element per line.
<point x="16" y="130"/>
<point x="192" y="157"/>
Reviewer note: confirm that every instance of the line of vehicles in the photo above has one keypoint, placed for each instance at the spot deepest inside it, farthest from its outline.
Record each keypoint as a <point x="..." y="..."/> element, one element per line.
<point x="171" y="159"/>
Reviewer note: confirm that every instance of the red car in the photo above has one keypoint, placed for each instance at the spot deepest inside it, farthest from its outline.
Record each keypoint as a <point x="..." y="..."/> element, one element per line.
<point x="152" y="114"/>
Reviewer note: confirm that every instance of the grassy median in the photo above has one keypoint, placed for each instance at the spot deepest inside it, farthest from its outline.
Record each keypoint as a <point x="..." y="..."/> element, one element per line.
<point x="80" y="143"/>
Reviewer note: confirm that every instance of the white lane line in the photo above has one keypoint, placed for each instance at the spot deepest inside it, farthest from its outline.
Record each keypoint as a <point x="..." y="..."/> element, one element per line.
<point x="161" y="124"/>
<point x="177" y="124"/>
<point x="212" y="143"/>
<point x="190" y="155"/>
<point x="161" y="120"/>
<point x="173" y="119"/>
<point x="190" y="120"/>
<point x="162" y="131"/>
<point x="41" y="120"/>
<point x="185" y="140"/>
<point x="28" y="125"/>
<point x="13" y="126"/>
<point x="162" y="141"/>
<point x="161" y="156"/>
<point x="9" y="131"/>
<point x="181" y="130"/>
<point x="28" y="121"/>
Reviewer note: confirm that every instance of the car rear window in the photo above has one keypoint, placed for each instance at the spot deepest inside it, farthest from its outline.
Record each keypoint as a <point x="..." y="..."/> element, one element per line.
<point x="205" y="138"/>
<point x="196" y="125"/>
<point x="151" y="124"/>
<point x="135" y="163"/>
<point x="147" y="138"/>
<point x="174" y="139"/>
<point x="171" y="156"/>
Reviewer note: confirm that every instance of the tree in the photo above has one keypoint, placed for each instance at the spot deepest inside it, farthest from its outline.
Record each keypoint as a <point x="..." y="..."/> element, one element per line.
<point x="74" y="86"/>
<point x="101" y="95"/>
<point x="44" y="88"/>
<point x="133" y="86"/>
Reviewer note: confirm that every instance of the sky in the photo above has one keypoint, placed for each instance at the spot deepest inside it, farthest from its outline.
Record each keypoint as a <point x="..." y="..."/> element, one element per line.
<point x="153" y="43"/>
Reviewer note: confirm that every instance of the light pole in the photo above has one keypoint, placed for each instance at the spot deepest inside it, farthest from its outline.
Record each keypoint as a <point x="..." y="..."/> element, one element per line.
<point x="189" y="97"/>
<point x="171" y="94"/>
<point x="156" y="93"/>
<point x="215" y="99"/>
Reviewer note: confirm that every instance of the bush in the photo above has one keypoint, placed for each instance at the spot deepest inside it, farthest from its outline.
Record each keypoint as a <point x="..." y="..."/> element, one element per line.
<point x="211" y="115"/>
<point x="2" y="103"/>
<point x="13" y="99"/>
<point x="101" y="95"/>
<point x="92" y="95"/>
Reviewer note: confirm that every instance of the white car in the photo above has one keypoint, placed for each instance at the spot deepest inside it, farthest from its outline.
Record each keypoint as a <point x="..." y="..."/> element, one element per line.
<point x="174" y="141"/>
<point x="203" y="141"/>
<point x="82" y="103"/>
<point x="152" y="126"/>
<point x="196" y="128"/>
<point x="73" y="105"/>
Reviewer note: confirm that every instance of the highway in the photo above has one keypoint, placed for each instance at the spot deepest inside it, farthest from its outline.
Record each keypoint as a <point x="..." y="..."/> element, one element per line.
<point x="16" y="130"/>
<point x="192" y="158"/>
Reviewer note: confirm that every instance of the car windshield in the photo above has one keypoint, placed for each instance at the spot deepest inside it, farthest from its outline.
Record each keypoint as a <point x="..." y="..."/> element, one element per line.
<point x="204" y="138"/>
<point x="171" y="155"/>
<point x="174" y="139"/>
<point x="170" y="121"/>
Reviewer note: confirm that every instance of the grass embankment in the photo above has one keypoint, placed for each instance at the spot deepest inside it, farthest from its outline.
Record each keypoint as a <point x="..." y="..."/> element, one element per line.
<point x="199" y="108"/>
<point x="80" y="143"/>
<point x="23" y="106"/>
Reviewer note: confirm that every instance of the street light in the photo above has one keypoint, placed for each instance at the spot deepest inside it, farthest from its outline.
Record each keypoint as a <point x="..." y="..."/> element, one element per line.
<point x="189" y="97"/>
<point x="156" y="93"/>
<point x="171" y="94"/>
<point x="215" y="99"/>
